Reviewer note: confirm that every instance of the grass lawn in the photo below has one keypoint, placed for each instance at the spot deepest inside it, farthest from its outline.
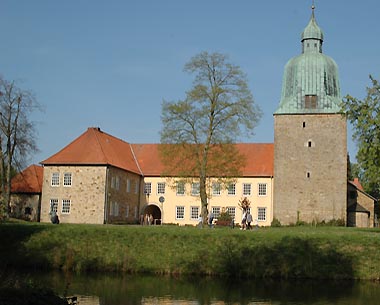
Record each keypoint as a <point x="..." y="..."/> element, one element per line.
<point x="285" y="252"/>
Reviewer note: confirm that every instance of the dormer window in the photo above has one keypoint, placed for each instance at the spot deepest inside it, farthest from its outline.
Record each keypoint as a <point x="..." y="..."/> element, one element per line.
<point x="310" y="101"/>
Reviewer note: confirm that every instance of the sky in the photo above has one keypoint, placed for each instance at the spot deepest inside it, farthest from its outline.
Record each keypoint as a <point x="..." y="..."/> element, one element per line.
<point x="110" y="64"/>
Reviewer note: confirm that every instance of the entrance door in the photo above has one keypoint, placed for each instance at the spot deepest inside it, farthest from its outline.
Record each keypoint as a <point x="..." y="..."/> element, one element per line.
<point x="156" y="213"/>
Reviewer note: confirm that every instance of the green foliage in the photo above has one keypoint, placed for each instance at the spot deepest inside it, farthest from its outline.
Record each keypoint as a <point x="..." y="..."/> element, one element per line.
<point x="365" y="117"/>
<point x="216" y="112"/>
<point x="224" y="216"/>
<point x="275" y="223"/>
<point x="286" y="252"/>
<point x="244" y="203"/>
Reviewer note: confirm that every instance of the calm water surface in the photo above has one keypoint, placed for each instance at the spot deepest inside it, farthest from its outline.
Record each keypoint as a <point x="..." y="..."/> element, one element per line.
<point x="115" y="290"/>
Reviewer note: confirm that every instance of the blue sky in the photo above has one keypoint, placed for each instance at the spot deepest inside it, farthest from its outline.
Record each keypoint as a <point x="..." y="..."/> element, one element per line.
<point x="110" y="63"/>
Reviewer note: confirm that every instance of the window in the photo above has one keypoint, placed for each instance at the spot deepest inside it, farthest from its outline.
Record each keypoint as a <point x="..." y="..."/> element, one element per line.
<point x="128" y="185"/>
<point x="246" y="189"/>
<point x="216" y="211"/>
<point x="161" y="188"/>
<point x="67" y="179"/>
<point x="55" y="179"/>
<point x="195" y="189"/>
<point x="148" y="188"/>
<point x="310" y="101"/>
<point x="136" y="187"/>
<point x="66" y="204"/>
<point x="136" y="212"/>
<point x="216" y="188"/>
<point x="115" y="182"/>
<point x="261" y="214"/>
<point x="194" y="213"/>
<point x="180" y="188"/>
<point x="127" y="210"/>
<point x="180" y="212"/>
<point x="114" y="209"/>
<point x="307" y="174"/>
<point x="309" y="143"/>
<point x="304" y="124"/>
<point x="28" y="211"/>
<point x="54" y="205"/>
<point x="262" y="189"/>
<point x="232" y="189"/>
<point x="231" y="211"/>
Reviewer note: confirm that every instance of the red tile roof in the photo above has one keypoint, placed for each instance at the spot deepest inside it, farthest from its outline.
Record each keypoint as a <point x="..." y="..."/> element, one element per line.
<point x="28" y="181"/>
<point x="95" y="147"/>
<point x="259" y="159"/>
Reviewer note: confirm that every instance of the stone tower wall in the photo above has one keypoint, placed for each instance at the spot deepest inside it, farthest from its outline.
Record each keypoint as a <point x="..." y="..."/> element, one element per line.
<point x="310" y="167"/>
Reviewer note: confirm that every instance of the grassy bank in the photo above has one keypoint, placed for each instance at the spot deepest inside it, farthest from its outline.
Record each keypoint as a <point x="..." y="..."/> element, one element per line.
<point x="289" y="252"/>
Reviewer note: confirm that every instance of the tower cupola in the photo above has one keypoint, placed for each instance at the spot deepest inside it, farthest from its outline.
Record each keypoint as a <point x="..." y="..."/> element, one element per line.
<point x="311" y="80"/>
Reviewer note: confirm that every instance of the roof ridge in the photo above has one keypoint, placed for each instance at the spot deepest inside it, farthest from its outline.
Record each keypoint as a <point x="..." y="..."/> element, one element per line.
<point x="134" y="157"/>
<point x="100" y="145"/>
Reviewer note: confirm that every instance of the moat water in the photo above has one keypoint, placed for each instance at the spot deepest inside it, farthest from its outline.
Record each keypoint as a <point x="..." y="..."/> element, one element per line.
<point x="137" y="289"/>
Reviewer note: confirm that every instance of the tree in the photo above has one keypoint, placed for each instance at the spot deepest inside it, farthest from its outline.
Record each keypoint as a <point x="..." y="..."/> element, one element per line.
<point x="17" y="134"/>
<point x="365" y="117"/>
<point x="199" y="131"/>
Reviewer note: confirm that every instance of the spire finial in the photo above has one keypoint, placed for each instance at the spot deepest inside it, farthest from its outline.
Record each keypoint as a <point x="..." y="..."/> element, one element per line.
<point x="312" y="6"/>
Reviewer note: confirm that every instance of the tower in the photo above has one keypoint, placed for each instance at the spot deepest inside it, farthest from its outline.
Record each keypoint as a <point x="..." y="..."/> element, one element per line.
<point x="310" y="137"/>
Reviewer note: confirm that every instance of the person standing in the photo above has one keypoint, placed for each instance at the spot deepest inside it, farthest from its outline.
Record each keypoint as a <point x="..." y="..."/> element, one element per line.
<point x="243" y="220"/>
<point x="249" y="220"/>
<point x="210" y="219"/>
<point x="200" y="221"/>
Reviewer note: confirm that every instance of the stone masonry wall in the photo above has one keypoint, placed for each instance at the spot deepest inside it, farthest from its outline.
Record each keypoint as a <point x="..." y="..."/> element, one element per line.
<point x="87" y="194"/>
<point x="310" y="167"/>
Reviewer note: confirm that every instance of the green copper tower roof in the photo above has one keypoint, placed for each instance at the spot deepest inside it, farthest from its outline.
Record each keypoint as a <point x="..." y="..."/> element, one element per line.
<point x="311" y="80"/>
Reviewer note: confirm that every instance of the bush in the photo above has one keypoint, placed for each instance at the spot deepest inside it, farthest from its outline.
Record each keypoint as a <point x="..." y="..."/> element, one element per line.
<point x="275" y="223"/>
<point x="224" y="216"/>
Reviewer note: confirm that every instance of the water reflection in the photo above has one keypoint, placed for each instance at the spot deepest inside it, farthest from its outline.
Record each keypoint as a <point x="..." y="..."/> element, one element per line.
<point x="114" y="290"/>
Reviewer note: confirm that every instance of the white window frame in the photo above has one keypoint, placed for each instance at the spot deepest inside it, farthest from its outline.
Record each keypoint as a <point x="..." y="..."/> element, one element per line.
<point x="261" y="214"/>
<point x="180" y="188"/>
<point x="180" y="212"/>
<point x="67" y="179"/>
<point x="161" y="188"/>
<point x="232" y="212"/>
<point x="54" y="179"/>
<point x="247" y="189"/>
<point x="262" y="189"/>
<point x="66" y="206"/>
<point x="54" y="205"/>
<point x="216" y="211"/>
<point x="194" y="212"/>
<point x="148" y="188"/>
<point x="195" y="189"/>
<point x="216" y="189"/>
<point x="231" y="190"/>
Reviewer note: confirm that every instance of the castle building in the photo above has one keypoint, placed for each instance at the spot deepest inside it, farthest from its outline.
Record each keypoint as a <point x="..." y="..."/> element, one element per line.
<point x="310" y="137"/>
<point x="301" y="177"/>
<point x="99" y="178"/>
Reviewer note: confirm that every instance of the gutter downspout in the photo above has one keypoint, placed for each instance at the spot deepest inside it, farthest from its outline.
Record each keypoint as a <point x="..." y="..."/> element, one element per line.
<point x="105" y="219"/>
<point x="272" y="191"/>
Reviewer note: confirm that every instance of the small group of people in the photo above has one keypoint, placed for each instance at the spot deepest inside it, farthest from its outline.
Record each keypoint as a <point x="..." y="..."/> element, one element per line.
<point x="246" y="221"/>
<point x="146" y="219"/>
<point x="210" y="220"/>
